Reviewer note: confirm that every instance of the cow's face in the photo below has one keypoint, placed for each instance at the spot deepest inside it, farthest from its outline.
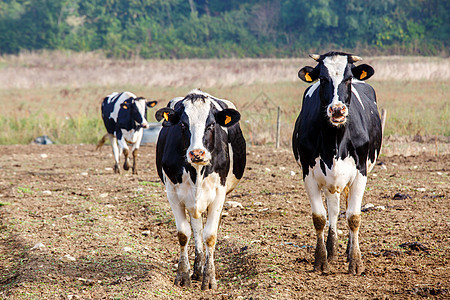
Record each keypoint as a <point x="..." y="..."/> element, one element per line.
<point x="199" y="122"/>
<point x="335" y="72"/>
<point x="138" y="110"/>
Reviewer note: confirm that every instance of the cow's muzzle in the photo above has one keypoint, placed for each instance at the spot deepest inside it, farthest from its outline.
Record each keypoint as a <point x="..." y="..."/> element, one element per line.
<point x="338" y="113"/>
<point x="198" y="156"/>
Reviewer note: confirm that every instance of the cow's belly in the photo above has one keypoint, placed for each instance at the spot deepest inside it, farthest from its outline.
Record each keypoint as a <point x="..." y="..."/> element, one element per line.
<point x="336" y="178"/>
<point x="195" y="197"/>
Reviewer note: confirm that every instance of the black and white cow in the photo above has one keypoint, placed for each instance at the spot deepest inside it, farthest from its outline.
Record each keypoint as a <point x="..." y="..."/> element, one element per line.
<point x="124" y="116"/>
<point x="336" y="140"/>
<point x="200" y="157"/>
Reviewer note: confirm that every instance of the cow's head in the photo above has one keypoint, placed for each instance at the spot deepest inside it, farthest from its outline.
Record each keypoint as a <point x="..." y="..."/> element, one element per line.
<point x="335" y="70"/>
<point x="137" y="109"/>
<point x="200" y="123"/>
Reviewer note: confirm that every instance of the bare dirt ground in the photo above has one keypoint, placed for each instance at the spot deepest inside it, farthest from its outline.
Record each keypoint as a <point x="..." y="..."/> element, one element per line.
<point x="71" y="229"/>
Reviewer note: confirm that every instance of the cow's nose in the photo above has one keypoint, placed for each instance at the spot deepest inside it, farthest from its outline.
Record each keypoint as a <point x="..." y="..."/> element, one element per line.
<point x="338" y="110"/>
<point x="197" y="155"/>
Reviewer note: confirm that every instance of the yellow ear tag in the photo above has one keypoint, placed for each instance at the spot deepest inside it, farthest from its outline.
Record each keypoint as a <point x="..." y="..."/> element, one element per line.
<point x="227" y="120"/>
<point x="363" y="75"/>
<point x="307" y="77"/>
<point x="166" y="116"/>
<point x="125" y="107"/>
<point x="153" y="104"/>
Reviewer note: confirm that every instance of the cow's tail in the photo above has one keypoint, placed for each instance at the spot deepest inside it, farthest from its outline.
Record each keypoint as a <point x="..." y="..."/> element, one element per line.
<point x="101" y="142"/>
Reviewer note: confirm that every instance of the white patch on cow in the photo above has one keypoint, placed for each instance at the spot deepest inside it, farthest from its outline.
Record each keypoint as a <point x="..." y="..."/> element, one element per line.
<point x="195" y="197"/>
<point x="371" y="164"/>
<point x="336" y="67"/>
<point x="312" y="89"/>
<point x="115" y="113"/>
<point x="355" y="92"/>
<point x="141" y="105"/>
<point x="213" y="99"/>
<point x="197" y="112"/>
<point x="232" y="181"/>
<point x="342" y="173"/>
<point x="174" y="101"/>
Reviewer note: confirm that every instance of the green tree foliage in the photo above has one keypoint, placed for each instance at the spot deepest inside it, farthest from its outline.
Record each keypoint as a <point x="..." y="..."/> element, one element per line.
<point x="216" y="28"/>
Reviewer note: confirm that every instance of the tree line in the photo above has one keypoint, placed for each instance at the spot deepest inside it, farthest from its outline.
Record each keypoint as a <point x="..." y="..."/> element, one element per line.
<point x="219" y="29"/>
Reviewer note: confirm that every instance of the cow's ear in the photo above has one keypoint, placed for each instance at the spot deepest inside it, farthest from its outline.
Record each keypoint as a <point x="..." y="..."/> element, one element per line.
<point x="152" y="103"/>
<point x="125" y="105"/>
<point x="308" y="74"/>
<point x="169" y="116"/>
<point x="362" y="72"/>
<point x="227" y="117"/>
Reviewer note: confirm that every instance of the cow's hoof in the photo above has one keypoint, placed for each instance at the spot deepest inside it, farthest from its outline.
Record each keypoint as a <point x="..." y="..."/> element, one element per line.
<point x="116" y="169"/>
<point x="135" y="172"/>
<point x="209" y="283"/>
<point x="126" y="166"/>
<point x="355" y="267"/>
<point x="197" y="276"/>
<point x="321" y="266"/>
<point x="183" y="279"/>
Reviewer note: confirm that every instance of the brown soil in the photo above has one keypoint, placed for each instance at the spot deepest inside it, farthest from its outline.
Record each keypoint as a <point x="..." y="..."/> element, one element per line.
<point x="119" y="232"/>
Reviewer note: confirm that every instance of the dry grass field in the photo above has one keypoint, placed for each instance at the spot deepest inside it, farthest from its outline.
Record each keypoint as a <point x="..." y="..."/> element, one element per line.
<point x="59" y="94"/>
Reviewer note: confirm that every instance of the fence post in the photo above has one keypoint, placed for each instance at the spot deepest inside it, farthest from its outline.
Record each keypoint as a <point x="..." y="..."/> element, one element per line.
<point x="278" y="126"/>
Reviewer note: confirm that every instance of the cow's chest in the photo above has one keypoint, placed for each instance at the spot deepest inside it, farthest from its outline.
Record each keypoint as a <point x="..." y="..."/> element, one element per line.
<point x="196" y="196"/>
<point x="130" y="136"/>
<point x="341" y="173"/>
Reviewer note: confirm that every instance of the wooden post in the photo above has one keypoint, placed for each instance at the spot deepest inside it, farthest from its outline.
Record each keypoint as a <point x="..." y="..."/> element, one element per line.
<point x="383" y="120"/>
<point x="278" y="126"/>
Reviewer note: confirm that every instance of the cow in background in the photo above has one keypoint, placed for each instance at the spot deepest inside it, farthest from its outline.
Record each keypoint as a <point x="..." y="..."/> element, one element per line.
<point x="200" y="157"/>
<point x="124" y="116"/>
<point x="336" y="140"/>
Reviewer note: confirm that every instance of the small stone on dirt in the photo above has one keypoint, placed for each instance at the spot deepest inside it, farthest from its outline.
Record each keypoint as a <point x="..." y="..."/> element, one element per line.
<point x="38" y="246"/>
<point x="127" y="249"/>
<point x="68" y="257"/>
<point x="43" y="155"/>
<point x="233" y="204"/>
<point x="400" y="196"/>
<point x="146" y="232"/>
<point x="104" y="195"/>
<point x="47" y="193"/>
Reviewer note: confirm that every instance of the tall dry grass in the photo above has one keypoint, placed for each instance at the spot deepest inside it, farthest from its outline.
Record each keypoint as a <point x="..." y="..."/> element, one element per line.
<point x="76" y="70"/>
<point x="41" y="92"/>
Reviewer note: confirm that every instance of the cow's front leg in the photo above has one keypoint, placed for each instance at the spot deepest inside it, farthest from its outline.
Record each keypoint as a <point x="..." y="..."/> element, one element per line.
<point x="210" y="237"/>
<point x="353" y="213"/>
<point x="135" y="149"/>
<point x="319" y="221"/>
<point x="333" y="213"/>
<point x="116" y="152"/>
<point x="197" y="228"/>
<point x="184" y="234"/>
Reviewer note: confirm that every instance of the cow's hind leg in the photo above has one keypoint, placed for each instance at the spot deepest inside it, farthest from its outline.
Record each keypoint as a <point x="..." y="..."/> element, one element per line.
<point x="197" y="228"/>
<point x="355" y="264"/>
<point x="116" y="152"/>
<point x="333" y="213"/>
<point x="319" y="220"/>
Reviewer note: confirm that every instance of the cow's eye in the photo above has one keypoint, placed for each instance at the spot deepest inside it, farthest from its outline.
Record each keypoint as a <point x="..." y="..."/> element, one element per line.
<point x="210" y="127"/>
